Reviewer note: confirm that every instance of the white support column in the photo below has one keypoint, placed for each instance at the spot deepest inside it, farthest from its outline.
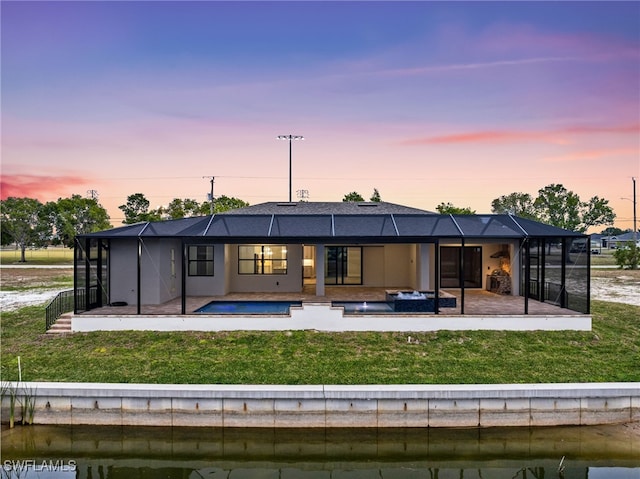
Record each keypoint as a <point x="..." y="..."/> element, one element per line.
<point x="319" y="270"/>
<point x="424" y="266"/>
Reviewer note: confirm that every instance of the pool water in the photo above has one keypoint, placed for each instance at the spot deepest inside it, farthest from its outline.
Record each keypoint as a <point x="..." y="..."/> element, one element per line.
<point x="351" y="307"/>
<point x="248" y="307"/>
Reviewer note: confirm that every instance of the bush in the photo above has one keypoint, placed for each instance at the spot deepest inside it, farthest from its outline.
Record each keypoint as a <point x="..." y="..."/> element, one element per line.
<point x="628" y="256"/>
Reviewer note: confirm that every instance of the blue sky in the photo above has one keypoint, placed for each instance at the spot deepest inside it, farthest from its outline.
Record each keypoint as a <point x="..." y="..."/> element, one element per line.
<point x="428" y="102"/>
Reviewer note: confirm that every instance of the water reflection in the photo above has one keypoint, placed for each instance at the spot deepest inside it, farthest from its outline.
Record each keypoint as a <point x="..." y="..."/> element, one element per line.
<point x="183" y="453"/>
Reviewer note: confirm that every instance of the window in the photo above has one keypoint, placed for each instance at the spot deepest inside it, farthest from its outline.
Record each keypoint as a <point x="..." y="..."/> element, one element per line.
<point x="262" y="259"/>
<point x="200" y="260"/>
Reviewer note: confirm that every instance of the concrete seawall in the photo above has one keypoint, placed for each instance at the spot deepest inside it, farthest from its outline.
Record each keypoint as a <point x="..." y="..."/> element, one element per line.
<point x="330" y="406"/>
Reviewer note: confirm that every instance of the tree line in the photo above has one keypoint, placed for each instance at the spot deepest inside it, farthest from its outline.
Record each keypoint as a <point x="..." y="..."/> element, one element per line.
<point x="28" y="222"/>
<point x="136" y="209"/>
<point x="554" y="205"/>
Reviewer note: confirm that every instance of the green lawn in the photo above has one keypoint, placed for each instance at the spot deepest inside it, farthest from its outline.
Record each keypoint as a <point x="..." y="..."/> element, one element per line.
<point x="605" y="258"/>
<point x="611" y="352"/>
<point x="53" y="255"/>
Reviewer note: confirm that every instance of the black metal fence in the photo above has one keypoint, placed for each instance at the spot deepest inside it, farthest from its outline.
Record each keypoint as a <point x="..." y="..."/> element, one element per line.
<point x="62" y="303"/>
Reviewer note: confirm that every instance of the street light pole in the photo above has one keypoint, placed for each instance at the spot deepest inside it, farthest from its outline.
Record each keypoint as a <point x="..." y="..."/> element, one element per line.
<point x="290" y="138"/>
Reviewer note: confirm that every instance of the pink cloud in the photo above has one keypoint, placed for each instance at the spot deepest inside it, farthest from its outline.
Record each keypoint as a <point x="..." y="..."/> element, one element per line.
<point x="474" y="137"/>
<point x="515" y="136"/>
<point x="592" y="155"/>
<point x="629" y="128"/>
<point x="37" y="186"/>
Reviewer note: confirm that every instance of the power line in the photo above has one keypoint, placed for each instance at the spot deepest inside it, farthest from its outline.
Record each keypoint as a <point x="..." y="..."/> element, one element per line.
<point x="346" y="178"/>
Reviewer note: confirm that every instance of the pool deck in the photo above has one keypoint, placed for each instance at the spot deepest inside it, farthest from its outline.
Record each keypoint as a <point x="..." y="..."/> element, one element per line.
<point x="477" y="302"/>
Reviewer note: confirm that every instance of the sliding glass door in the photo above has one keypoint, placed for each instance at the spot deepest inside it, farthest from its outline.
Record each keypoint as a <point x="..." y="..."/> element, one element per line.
<point x="450" y="269"/>
<point x="343" y="265"/>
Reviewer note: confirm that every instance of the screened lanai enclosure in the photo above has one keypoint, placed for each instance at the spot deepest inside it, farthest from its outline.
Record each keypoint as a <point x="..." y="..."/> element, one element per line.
<point x="320" y="251"/>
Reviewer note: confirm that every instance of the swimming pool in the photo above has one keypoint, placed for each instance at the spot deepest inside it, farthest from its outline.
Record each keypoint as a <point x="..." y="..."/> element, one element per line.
<point x="248" y="307"/>
<point x="351" y="307"/>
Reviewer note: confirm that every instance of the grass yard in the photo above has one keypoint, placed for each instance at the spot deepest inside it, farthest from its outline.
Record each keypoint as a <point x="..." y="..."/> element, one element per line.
<point x="53" y="255"/>
<point x="611" y="352"/>
<point x="605" y="258"/>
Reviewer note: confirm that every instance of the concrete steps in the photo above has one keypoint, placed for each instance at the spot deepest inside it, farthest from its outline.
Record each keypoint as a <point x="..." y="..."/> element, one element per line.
<point x="62" y="325"/>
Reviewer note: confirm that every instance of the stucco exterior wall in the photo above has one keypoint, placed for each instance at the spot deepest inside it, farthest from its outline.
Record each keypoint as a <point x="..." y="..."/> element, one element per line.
<point x="399" y="271"/>
<point x="210" y="285"/>
<point x="324" y="317"/>
<point x="389" y="265"/>
<point x="425" y="275"/>
<point x="158" y="281"/>
<point x="268" y="283"/>
<point x="373" y="266"/>
<point x="227" y="267"/>
<point x="123" y="266"/>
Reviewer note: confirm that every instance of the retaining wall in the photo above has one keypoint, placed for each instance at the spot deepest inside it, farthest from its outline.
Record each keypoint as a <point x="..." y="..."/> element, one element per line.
<point x="325" y="406"/>
<point x="324" y="317"/>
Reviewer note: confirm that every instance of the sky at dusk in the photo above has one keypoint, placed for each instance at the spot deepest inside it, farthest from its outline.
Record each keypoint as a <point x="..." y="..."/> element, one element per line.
<point x="428" y="102"/>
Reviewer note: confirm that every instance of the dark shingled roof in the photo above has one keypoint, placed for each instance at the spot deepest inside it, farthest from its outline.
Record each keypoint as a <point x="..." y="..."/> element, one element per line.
<point x="355" y="222"/>
<point x="326" y="208"/>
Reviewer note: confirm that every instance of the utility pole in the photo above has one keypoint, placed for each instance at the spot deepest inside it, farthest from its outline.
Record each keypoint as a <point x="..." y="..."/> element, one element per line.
<point x="93" y="194"/>
<point x="635" y="228"/>
<point x="212" y="178"/>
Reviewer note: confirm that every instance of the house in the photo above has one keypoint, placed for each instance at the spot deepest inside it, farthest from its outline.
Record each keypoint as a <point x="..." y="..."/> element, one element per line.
<point x="597" y="243"/>
<point x="613" y="242"/>
<point x="290" y="250"/>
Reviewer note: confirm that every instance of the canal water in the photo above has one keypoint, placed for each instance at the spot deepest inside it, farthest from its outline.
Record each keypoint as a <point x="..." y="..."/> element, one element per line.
<point x="53" y="452"/>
